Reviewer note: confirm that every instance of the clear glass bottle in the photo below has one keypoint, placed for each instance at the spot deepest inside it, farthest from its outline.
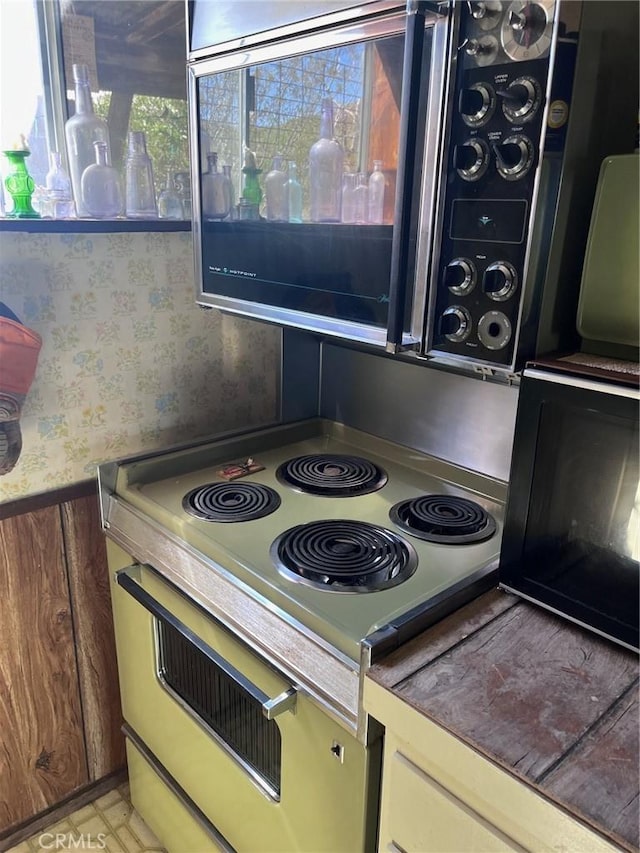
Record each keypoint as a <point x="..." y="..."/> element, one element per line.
<point x="294" y="194"/>
<point x="215" y="193"/>
<point x="231" y="193"/>
<point x="348" y="198"/>
<point x="140" y="191"/>
<point x="183" y="187"/>
<point x="169" y="203"/>
<point x="361" y="199"/>
<point x="59" y="194"/>
<point x="275" y="190"/>
<point x="377" y="183"/>
<point x="326" y="160"/>
<point x="82" y="130"/>
<point x="100" y="186"/>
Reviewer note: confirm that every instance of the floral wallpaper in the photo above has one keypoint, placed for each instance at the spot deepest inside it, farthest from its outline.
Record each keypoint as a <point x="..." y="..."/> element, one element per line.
<point x="129" y="362"/>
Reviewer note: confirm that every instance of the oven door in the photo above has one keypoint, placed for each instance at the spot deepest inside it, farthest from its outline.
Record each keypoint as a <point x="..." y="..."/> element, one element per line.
<point x="572" y="532"/>
<point x="264" y="764"/>
<point x="339" y="264"/>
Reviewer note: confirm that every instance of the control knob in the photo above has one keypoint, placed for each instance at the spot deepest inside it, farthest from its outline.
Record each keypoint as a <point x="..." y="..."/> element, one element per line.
<point x="486" y="13"/>
<point x="455" y="324"/>
<point x="499" y="281"/>
<point x="477" y="104"/>
<point x="471" y="159"/>
<point x="483" y="50"/>
<point x="514" y="157"/>
<point x="521" y="99"/>
<point x="460" y="276"/>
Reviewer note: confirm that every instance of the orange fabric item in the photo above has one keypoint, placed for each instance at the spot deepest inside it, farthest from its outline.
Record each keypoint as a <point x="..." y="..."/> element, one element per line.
<point x="19" y="350"/>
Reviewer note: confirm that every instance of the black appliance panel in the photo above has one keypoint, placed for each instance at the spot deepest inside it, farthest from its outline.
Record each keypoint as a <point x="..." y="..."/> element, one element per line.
<point x="490" y="186"/>
<point x="572" y="529"/>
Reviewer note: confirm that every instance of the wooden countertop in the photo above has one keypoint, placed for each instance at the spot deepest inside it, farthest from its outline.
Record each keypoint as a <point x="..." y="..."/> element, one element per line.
<point x="552" y="703"/>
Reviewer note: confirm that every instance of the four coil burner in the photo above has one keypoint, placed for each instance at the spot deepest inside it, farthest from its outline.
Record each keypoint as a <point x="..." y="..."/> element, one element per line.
<point x="332" y="475"/>
<point x="231" y="501"/>
<point x="344" y="556"/>
<point x="446" y="519"/>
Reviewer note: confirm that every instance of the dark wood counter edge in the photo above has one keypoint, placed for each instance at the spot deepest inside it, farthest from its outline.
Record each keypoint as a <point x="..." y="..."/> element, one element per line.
<point x="443" y="636"/>
<point x="446" y="635"/>
<point x="83" y="489"/>
<point x="597" y="368"/>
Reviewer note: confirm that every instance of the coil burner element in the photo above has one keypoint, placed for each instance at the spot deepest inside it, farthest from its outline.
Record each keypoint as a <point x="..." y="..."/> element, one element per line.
<point x="343" y="556"/>
<point x="332" y="475"/>
<point x="229" y="502"/>
<point x="446" y="519"/>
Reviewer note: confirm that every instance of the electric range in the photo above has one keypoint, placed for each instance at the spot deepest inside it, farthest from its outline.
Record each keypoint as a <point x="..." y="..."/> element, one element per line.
<point x="310" y="542"/>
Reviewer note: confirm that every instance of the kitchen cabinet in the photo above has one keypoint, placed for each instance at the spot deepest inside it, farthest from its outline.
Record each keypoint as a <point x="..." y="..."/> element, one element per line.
<point x="439" y="795"/>
<point x="59" y="702"/>
<point x="473" y="762"/>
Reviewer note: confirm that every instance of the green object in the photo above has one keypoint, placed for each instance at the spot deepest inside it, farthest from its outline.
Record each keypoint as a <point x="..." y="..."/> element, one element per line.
<point x="20" y="185"/>
<point x="252" y="191"/>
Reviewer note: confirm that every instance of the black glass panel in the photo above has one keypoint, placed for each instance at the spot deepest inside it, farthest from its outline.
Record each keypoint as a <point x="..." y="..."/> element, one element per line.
<point x="582" y="540"/>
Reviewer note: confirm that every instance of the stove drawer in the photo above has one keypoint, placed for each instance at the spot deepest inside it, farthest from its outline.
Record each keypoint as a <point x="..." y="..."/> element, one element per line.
<point x="199" y="699"/>
<point x="166" y="809"/>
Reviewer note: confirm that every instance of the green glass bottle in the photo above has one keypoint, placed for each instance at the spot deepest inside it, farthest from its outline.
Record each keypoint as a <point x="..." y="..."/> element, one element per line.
<point x="20" y="185"/>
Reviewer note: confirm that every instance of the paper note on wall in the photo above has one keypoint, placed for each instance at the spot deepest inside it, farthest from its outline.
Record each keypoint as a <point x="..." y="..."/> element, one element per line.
<point x="79" y="45"/>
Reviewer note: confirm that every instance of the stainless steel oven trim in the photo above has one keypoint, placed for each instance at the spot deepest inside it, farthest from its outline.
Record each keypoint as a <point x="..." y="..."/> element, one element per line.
<point x="176" y="789"/>
<point x="439" y="83"/>
<point x="285" y="31"/>
<point x="324" y="673"/>
<point x="585" y="384"/>
<point x="393" y="23"/>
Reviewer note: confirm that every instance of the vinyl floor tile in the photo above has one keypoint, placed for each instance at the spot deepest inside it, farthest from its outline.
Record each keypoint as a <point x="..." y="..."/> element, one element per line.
<point x="109" y="823"/>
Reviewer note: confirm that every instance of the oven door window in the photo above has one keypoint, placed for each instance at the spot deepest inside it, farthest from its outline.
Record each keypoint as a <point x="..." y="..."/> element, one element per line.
<point x="235" y="717"/>
<point x="582" y="538"/>
<point x="302" y="221"/>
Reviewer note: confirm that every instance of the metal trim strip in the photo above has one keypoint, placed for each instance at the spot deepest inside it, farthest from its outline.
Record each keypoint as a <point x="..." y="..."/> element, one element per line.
<point x="565" y="615"/>
<point x="584" y="384"/>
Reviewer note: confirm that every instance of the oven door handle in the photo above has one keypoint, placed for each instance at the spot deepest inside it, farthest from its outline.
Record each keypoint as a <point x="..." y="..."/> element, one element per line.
<point x="285" y="701"/>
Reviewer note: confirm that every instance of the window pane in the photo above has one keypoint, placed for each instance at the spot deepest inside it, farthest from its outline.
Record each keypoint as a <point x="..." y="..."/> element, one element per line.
<point x="22" y="110"/>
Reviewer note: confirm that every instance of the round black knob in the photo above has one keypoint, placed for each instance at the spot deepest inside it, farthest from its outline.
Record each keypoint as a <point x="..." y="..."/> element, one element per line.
<point x="516" y="95"/>
<point x="508" y="154"/>
<point x="521" y="99"/>
<point x="460" y="276"/>
<point x="455" y="323"/>
<point x="464" y="157"/>
<point x="471" y="101"/>
<point x="514" y="157"/>
<point x="471" y="159"/>
<point x="477" y="104"/>
<point x="499" y="281"/>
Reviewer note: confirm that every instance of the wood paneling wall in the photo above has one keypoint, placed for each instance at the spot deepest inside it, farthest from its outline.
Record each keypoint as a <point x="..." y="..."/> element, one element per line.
<point x="42" y="754"/>
<point x="95" y="643"/>
<point x="59" y="699"/>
